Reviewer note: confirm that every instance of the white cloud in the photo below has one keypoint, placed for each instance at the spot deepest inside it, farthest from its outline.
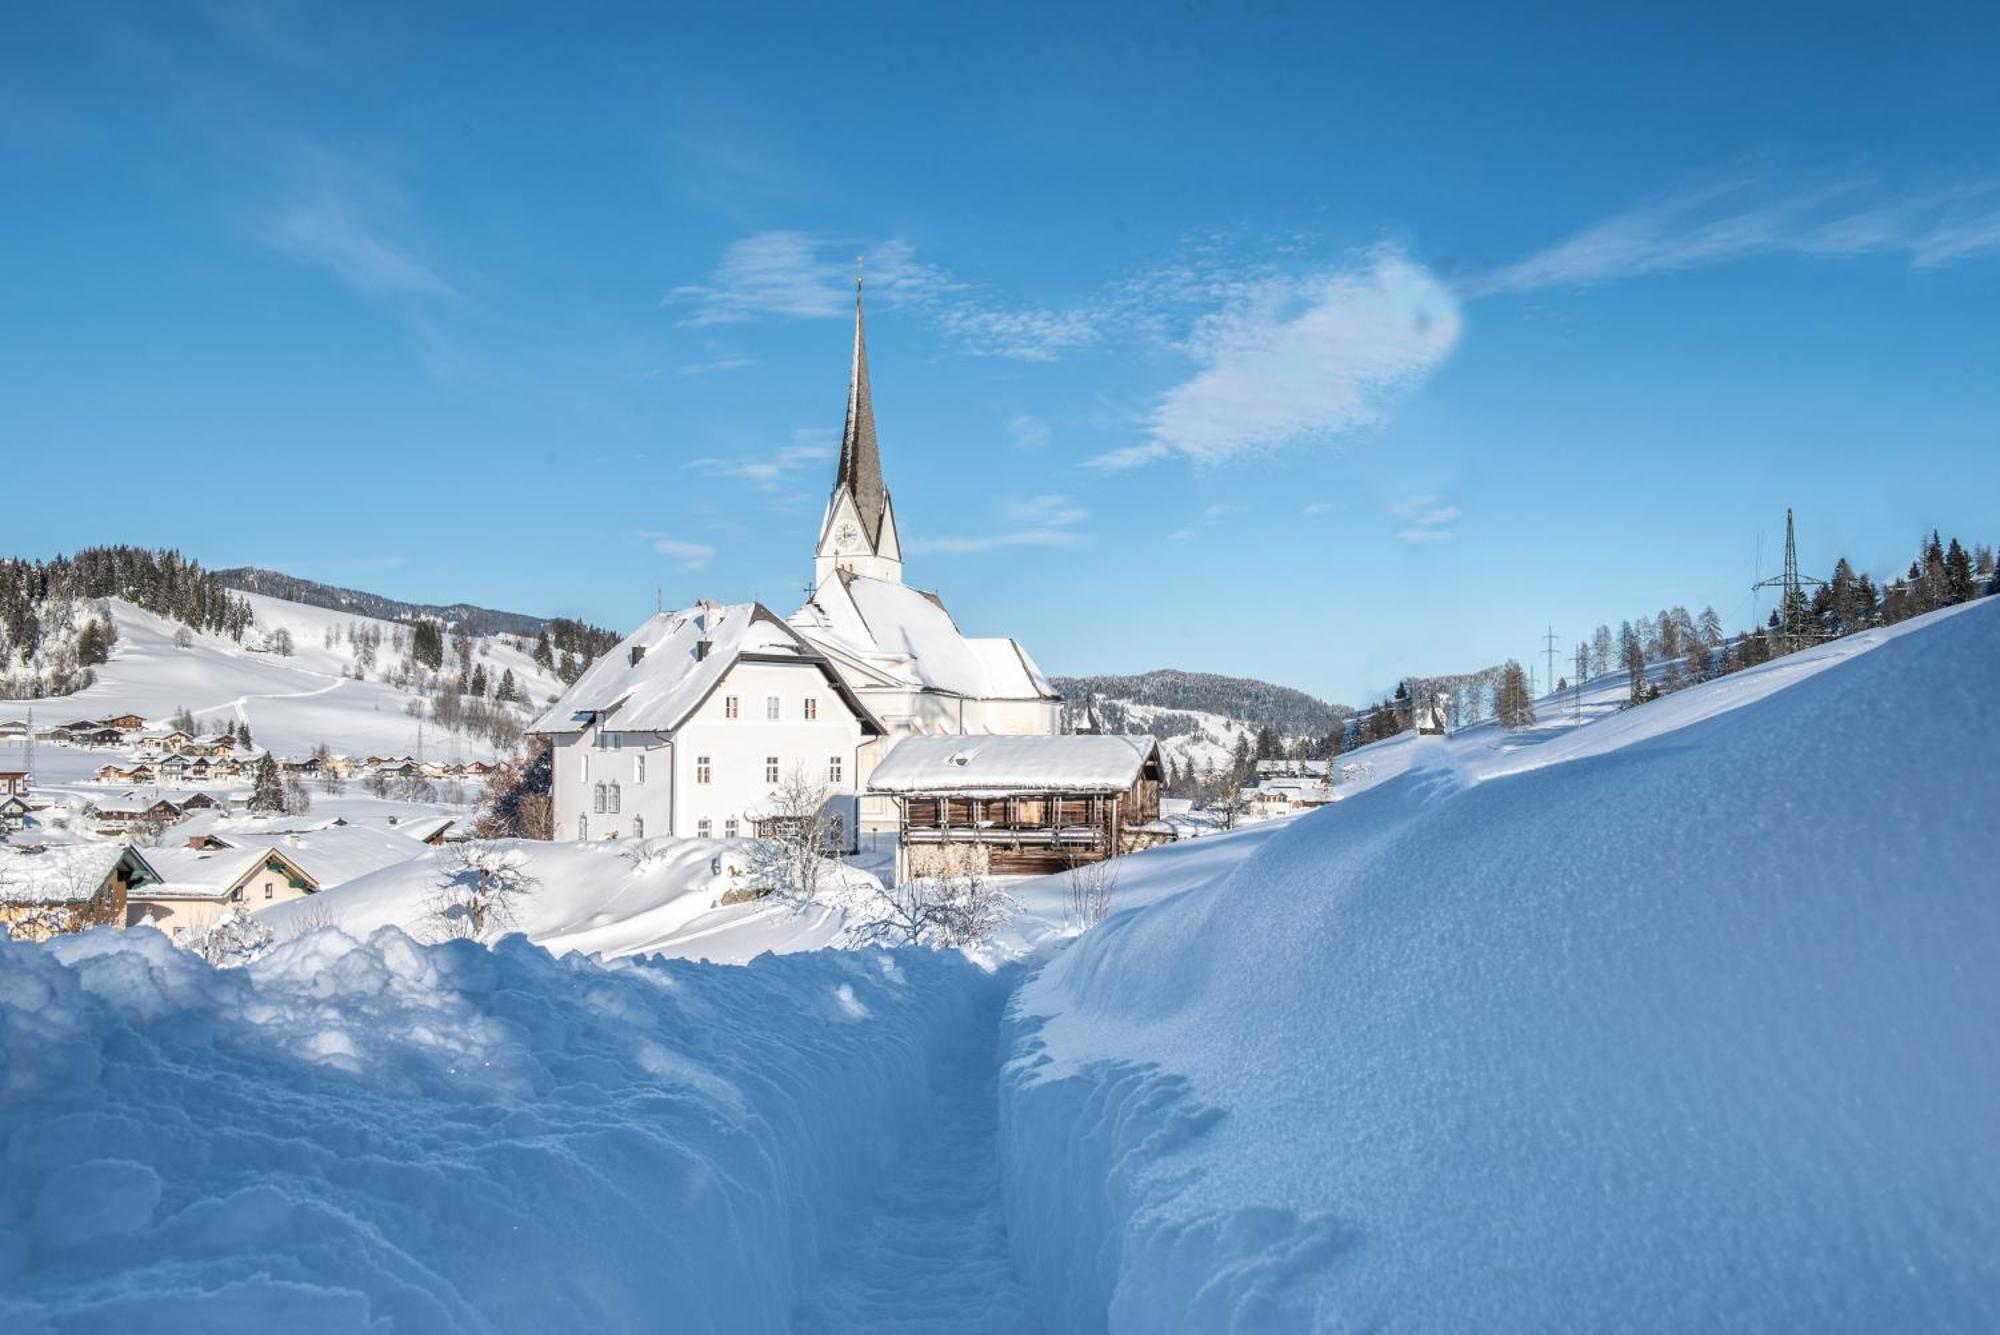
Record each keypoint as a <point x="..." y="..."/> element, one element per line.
<point x="1718" y="224"/>
<point x="1028" y="432"/>
<point x="1036" y="521"/>
<point x="811" y="447"/>
<point x="686" y="555"/>
<point x="715" y="365"/>
<point x="326" y="229"/>
<point x="805" y="275"/>
<point x="1424" y="519"/>
<point x="1291" y="360"/>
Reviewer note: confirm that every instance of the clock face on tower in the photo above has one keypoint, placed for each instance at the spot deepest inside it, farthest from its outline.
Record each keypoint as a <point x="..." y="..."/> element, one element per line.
<point x="848" y="536"/>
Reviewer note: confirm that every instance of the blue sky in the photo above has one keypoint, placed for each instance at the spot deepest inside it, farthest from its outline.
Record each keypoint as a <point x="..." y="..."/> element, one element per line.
<point x="1310" y="344"/>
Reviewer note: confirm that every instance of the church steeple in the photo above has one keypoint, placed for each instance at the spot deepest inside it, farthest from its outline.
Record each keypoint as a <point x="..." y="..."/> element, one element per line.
<point x="859" y="533"/>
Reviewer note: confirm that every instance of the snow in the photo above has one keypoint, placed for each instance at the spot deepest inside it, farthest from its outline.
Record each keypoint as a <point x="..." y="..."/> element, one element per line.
<point x="377" y="1135"/>
<point x="885" y="623"/>
<point x="1681" y="1018"/>
<point x="670" y="680"/>
<point x="45" y="873"/>
<point x="291" y="703"/>
<point x="1099" y="764"/>
<point x="1680" y="1021"/>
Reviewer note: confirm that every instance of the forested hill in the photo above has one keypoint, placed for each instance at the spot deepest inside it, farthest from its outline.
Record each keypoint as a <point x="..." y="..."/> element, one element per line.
<point x="475" y="620"/>
<point x="1254" y="703"/>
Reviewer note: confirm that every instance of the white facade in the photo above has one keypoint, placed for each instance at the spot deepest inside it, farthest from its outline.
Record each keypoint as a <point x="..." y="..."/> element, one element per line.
<point x="713" y="775"/>
<point x="689" y="726"/>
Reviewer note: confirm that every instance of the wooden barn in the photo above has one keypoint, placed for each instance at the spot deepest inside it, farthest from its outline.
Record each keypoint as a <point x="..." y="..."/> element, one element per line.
<point x="1021" y="805"/>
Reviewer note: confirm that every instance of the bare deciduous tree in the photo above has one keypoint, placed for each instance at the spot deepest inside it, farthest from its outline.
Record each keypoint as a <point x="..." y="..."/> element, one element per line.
<point x="958" y="907"/>
<point x="798" y="839"/>
<point x="478" y="884"/>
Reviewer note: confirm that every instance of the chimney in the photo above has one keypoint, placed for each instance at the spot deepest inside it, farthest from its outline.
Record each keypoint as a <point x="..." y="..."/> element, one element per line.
<point x="638" y="652"/>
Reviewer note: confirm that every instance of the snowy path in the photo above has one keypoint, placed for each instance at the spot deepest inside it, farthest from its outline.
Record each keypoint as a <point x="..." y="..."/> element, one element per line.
<point x="929" y="1252"/>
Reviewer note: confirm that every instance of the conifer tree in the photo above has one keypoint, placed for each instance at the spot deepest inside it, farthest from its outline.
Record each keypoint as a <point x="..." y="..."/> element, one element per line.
<point x="267" y="796"/>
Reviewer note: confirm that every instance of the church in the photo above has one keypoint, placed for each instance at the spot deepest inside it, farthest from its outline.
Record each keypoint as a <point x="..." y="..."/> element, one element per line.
<point x="686" y="725"/>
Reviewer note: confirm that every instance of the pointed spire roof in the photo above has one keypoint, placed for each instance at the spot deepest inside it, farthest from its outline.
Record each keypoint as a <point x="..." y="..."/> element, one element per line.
<point x="860" y="460"/>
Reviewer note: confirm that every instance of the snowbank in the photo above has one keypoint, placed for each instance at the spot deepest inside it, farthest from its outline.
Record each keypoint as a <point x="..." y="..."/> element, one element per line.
<point x="1691" y="1024"/>
<point x="390" y="1136"/>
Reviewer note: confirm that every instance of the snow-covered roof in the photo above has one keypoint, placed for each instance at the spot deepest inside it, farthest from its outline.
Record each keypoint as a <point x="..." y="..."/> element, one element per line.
<point x="57" y="873"/>
<point x="1069" y="763"/>
<point x="907" y="634"/>
<point x="339" y="853"/>
<point x="199" y="873"/>
<point x="138" y="799"/>
<point x="671" y="677"/>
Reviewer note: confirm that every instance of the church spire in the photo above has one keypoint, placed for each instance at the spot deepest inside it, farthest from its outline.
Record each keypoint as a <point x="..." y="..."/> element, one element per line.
<point x="859" y="536"/>
<point x="860" y="460"/>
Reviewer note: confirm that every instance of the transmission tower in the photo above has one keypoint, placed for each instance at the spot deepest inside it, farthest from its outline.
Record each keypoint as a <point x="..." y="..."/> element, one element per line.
<point x="1794" y="623"/>
<point x="1549" y="641"/>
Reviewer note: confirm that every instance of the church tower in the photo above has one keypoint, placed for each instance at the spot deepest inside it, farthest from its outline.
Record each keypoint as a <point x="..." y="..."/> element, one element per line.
<point x="859" y="533"/>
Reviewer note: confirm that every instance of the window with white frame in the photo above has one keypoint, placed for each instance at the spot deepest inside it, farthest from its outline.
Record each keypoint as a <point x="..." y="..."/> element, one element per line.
<point x="703" y="828"/>
<point x="770" y="769"/>
<point x="834" y="769"/>
<point x="598" y="799"/>
<point x="812" y="707"/>
<point x="616" y="799"/>
<point x="730" y="706"/>
<point x="582" y="828"/>
<point x="639" y="769"/>
<point x="583" y="770"/>
<point x="703" y="769"/>
<point x="729" y="828"/>
<point x="638" y="827"/>
<point x="772" y="709"/>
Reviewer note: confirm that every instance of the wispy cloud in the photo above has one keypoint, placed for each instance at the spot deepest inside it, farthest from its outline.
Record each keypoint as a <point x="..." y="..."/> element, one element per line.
<point x="684" y="554"/>
<point x="1209" y="518"/>
<point x="804" y="276"/>
<point x="715" y="366"/>
<point x="1028" y="432"/>
<point x="1038" y="521"/>
<point x="811" y="447"/>
<point x="330" y="230"/>
<point x="1722" y="223"/>
<point x="1424" y="519"/>
<point x="1290" y="360"/>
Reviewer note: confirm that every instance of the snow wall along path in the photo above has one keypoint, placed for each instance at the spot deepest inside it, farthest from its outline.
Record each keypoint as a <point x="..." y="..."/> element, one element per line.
<point x="381" y="1135"/>
<point x="1702" y="1033"/>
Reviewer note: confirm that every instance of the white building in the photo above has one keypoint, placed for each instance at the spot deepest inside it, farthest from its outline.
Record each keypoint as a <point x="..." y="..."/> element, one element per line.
<point x="688" y="726"/>
<point x="879" y="661"/>
<point x="896" y="646"/>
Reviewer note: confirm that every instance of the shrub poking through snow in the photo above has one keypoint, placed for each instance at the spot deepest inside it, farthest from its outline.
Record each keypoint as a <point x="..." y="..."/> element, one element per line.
<point x="477" y="886"/>
<point x="232" y="940"/>
<point x="1092" y="885"/>
<point x="959" y="908"/>
<point x="798" y="835"/>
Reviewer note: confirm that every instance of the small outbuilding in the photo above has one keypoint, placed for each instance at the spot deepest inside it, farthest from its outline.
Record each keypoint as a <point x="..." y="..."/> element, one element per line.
<point x="1022" y="804"/>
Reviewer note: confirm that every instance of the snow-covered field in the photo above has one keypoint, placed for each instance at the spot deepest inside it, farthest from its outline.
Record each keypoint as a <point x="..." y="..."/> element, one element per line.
<point x="292" y="703"/>
<point x="1687" y="1017"/>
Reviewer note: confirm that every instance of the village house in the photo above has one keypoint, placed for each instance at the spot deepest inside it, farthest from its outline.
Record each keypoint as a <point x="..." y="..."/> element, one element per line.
<point x="58" y="888"/>
<point x="14" y="813"/>
<point x="1021" y="804"/>
<point x="192" y="887"/>
<point x="694" y="720"/>
<point x="123" y="722"/>
<point x="140" y="806"/>
<point x="13" y="782"/>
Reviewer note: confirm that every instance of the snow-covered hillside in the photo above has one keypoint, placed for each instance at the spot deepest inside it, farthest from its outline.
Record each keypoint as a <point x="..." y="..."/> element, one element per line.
<point x="1685" y="1018"/>
<point x="291" y="702"/>
<point x="1689" y="1019"/>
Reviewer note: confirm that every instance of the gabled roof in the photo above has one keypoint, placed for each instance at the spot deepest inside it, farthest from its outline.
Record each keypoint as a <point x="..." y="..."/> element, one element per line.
<point x="61" y="873"/>
<point x="998" y="765"/>
<point x="672" y="675"/>
<point x="906" y="635"/>
<point x="211" y="873"/>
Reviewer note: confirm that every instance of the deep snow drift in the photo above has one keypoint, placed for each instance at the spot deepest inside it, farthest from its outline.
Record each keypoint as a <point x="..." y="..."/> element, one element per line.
<point x="364" y="1137"/>
<point x="1699" y="1028"/>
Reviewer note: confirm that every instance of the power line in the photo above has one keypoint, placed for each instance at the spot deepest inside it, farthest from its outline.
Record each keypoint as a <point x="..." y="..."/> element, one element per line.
<point x="1794" y="618"/>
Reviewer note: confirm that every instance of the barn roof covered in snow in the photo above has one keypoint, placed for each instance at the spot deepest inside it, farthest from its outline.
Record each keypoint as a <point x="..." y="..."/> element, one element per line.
<point x="905" y="635"/>
<point x="1103" y="763"/>
<point x="661" y="672"/>
<point x="60" y="873"/>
